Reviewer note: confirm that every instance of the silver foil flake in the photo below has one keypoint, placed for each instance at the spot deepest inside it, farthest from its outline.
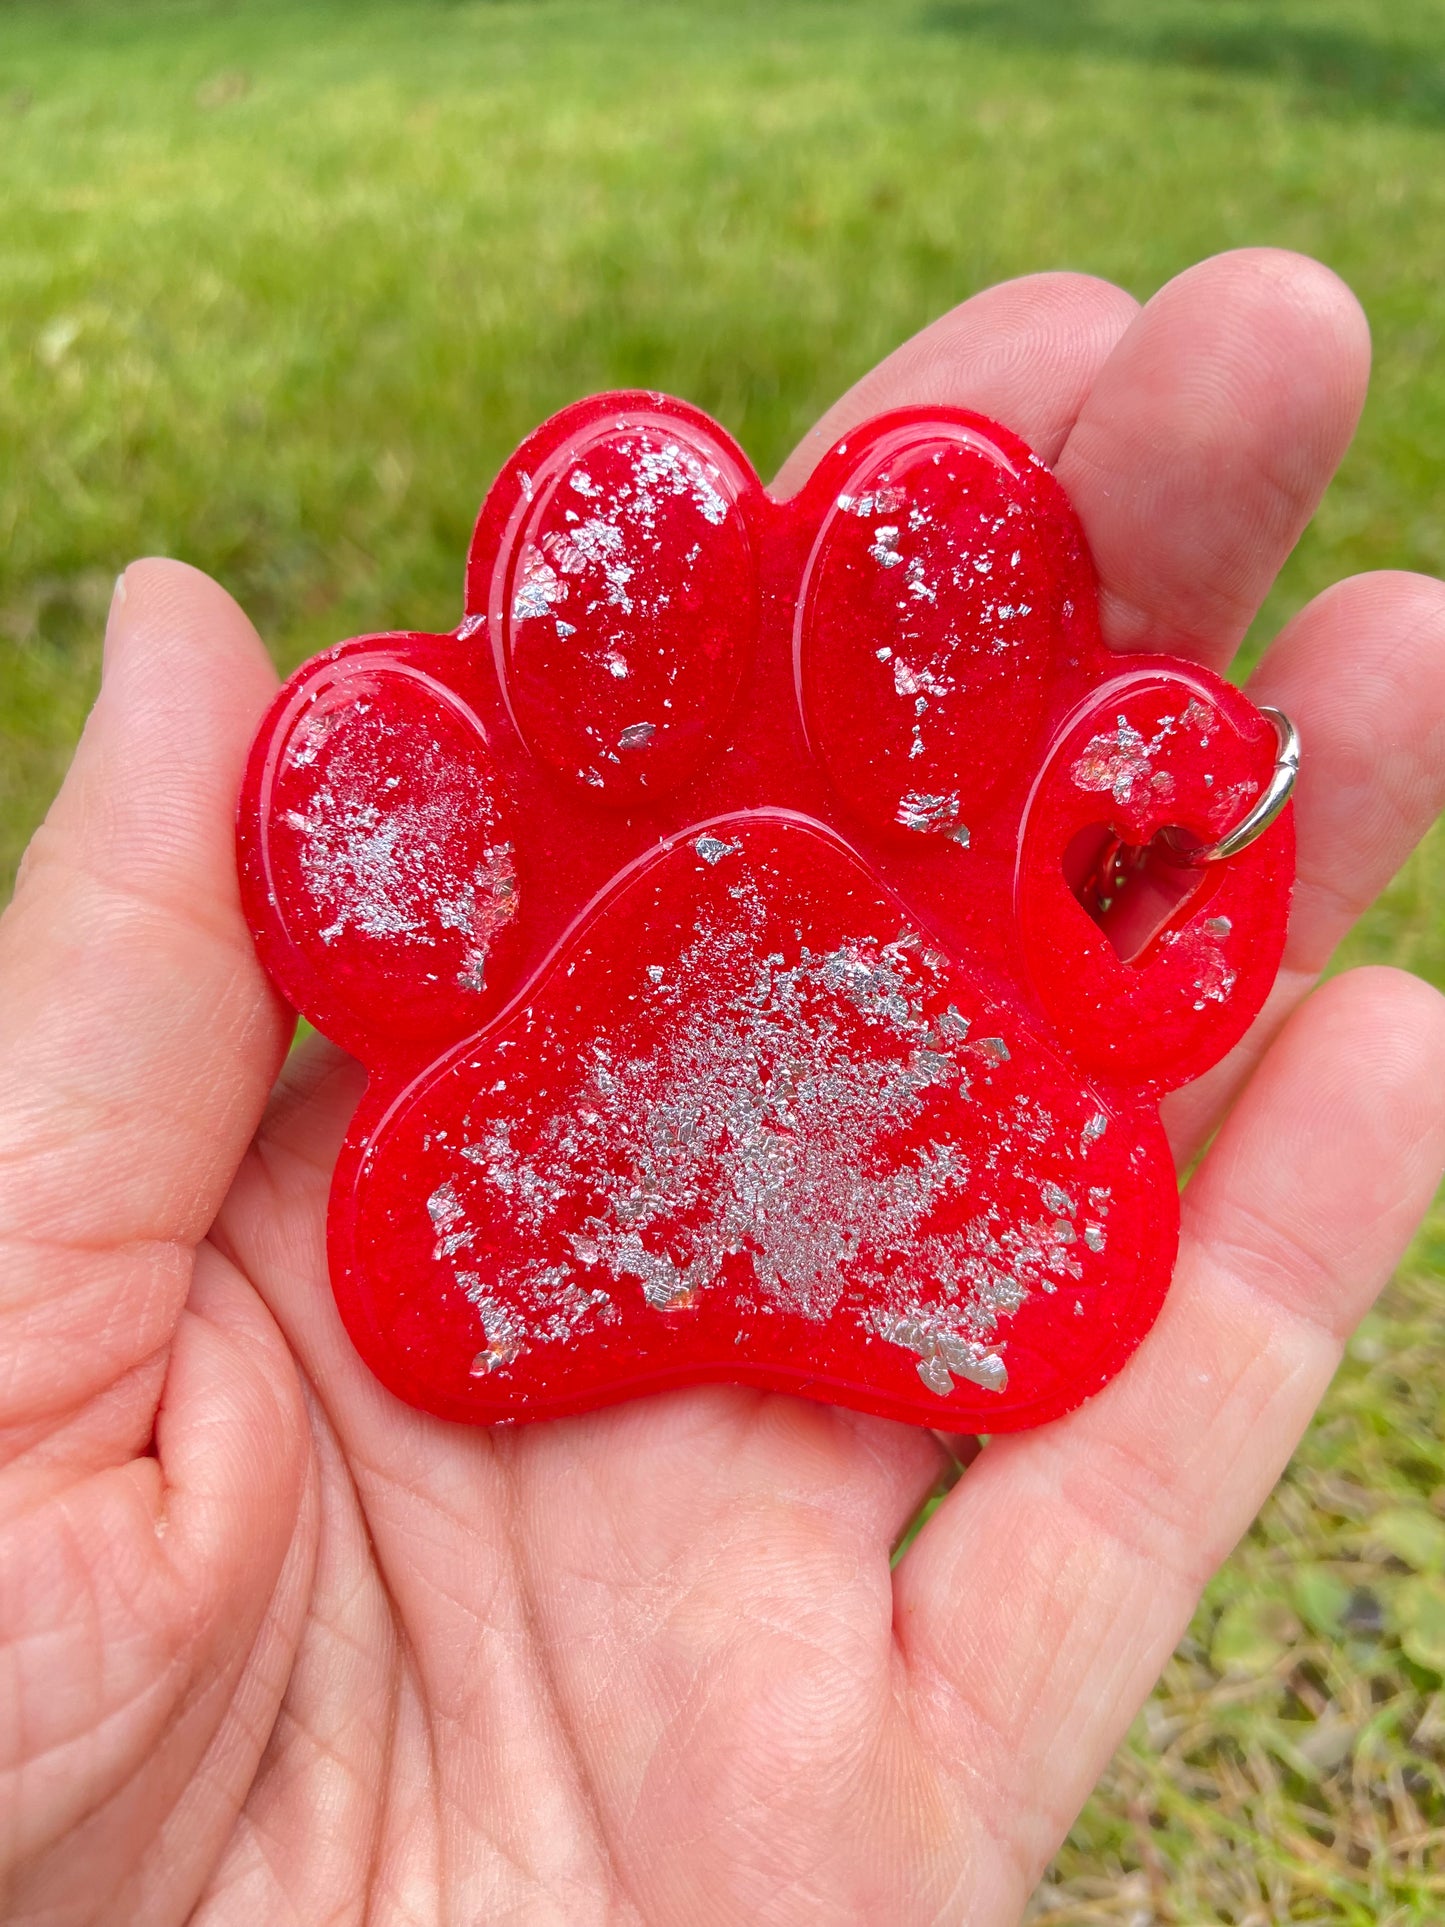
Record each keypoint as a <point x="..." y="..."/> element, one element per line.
<point x="944" y="1354"/>
<point x="666" y="1284"/>
<point x="637" y="736"/>
<point x="884" y="547"/>
<point x="935" y="1375"/>
<point x="311" y="735"/>
<point x="595" y="540"/>
<point x="672" y="470"/>
<point x="928" y="813"/>
<point x="444" y="1207"/>
<point x="787" y="1138"/>
<point x="763" y="1133"/>
<point x="919" y="587"/>
<point x="752" y="1134"/>
<point x="1203" y="948"/>
<point x="386" y="869"/>
<point x="614" y="531"/>
<point x="878" y="983"/>
<point x="449" y="1219"/>
<point x="908" y="681"/>
<point x="712" y="849"/>
<point x="479" y="908"/>
<point x="1215" y="982"/>
<point x="538" y="587"/>
<point x="558" y="1308"/>
<point x="883" y="500"/>
<point x="501" y="1327"/>
<point x="1114" y="761"/>
<point x="493" y="1358"/>
<point x="1094" y="1128"/>
<point x="601" y="543"/>
<point x="365" y="864"/>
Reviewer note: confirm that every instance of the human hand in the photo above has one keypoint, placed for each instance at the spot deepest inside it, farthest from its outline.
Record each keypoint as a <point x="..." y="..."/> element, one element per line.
<point x="280" y="1648"/>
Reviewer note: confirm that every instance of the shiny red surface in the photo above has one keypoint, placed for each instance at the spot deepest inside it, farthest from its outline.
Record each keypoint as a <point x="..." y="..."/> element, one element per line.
<point x="709" y="911"/>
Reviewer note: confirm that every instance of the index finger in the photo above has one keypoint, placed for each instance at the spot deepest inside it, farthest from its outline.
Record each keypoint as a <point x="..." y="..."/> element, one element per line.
<point x="1026" y="353"/>
<point x="1205" y="444"/>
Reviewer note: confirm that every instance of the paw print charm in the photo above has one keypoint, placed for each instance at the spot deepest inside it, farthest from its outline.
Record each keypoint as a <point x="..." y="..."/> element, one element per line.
<point x="768" y="928"/>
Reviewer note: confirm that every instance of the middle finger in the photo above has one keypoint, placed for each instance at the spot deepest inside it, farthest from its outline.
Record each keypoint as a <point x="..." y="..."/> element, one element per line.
<point x="1206" y="442"/>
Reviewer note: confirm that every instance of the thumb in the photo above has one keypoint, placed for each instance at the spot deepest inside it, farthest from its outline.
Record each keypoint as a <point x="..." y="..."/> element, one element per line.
<point x="137" y="1031"/>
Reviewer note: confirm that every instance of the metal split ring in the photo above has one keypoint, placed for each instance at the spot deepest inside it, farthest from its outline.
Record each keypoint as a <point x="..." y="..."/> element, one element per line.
<point x="1276" y="794"/>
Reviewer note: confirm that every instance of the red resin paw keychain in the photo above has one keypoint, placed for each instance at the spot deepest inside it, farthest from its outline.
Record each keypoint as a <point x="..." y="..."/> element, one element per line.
<point x="768" y="928"/>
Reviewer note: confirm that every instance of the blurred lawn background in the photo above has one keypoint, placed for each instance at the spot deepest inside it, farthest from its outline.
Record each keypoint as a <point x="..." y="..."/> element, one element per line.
<point x="283" y="284"/>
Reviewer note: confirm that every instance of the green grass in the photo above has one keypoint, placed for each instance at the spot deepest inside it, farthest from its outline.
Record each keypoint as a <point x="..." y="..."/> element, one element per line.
<point x="280" y="287"/>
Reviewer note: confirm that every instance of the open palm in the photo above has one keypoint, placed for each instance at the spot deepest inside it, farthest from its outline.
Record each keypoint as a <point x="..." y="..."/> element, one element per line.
<point x="279" y="1649"/>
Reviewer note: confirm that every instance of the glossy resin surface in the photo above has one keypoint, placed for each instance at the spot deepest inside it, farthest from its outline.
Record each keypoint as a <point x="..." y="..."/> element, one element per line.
<point x="717" y="912"/>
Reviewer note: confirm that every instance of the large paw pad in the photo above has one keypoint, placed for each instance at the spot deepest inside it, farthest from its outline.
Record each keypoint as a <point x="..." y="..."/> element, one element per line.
<point x="715" y="911"/>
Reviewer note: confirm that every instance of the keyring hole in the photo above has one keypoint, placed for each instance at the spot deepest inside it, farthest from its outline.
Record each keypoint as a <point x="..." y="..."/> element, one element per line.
<point x="1133" y="892"/>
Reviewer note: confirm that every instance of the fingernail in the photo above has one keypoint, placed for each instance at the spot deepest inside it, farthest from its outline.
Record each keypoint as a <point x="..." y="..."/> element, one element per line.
<point x="117" y="603"/>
